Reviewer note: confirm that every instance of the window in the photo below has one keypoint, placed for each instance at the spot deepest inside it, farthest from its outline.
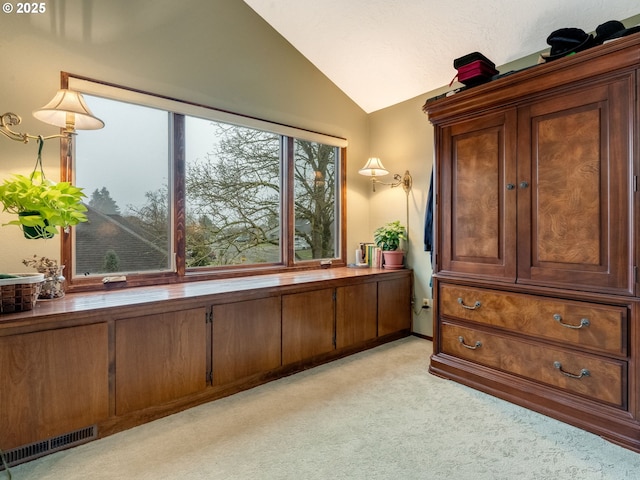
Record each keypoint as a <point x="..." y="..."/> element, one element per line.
<point x="315" y="202"/>
<point x="125" y="174"/>
<point x="177" y="190"/>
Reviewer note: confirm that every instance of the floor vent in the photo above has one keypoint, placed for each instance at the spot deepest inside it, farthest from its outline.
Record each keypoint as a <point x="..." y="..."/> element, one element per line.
<point x="32" y="451"/>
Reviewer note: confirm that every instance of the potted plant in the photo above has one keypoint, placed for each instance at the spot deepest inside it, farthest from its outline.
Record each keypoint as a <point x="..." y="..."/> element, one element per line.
<point x="42" y="206"/>
<point x="388" y="239"/>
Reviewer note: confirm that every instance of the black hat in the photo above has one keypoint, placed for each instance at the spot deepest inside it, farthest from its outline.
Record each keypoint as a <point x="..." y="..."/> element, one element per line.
<point x="624" y="32"/>
<point x="620" y="31"/>
<point x="568" y="40"/>
<point x="611" y="30"/>
<point x="608" y="30"/>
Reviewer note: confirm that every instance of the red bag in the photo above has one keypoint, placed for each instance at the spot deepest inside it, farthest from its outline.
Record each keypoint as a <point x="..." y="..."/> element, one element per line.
<point x="474" y="69"/>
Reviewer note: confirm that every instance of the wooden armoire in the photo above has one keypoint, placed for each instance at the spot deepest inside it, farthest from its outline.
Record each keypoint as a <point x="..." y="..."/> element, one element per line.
<point x="536" y="218"/>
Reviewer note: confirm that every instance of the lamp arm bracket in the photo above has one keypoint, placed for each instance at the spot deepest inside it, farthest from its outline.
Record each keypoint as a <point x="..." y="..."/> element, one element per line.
<point x="405" y="180"/>
<point x="9" y="119"/>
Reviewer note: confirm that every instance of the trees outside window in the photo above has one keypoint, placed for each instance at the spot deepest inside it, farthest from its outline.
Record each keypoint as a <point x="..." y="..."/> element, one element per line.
<point x="179" y="194"/>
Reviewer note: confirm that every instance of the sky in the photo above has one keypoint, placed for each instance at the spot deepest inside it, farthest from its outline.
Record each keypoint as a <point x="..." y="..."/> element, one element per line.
<point x="129" y="156"/>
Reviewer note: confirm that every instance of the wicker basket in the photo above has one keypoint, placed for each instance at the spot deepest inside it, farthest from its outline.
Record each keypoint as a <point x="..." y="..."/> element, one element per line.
<point x="19" y="293"/>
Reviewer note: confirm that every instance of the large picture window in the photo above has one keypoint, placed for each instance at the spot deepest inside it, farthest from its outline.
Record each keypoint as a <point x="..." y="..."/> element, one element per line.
<point x="177" y="190"/>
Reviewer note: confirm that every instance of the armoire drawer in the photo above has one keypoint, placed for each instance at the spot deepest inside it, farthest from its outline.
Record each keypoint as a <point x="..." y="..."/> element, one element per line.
<point x="595" y="377"/>
<point x="588" y="325"/>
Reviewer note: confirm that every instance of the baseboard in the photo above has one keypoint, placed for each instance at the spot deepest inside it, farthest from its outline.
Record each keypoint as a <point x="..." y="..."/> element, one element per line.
<point x="424" y="337"/>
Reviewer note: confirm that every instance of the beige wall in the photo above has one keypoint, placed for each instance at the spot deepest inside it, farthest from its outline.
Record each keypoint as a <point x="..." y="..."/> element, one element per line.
<point x="403" y="139"/>
<point x="215" y="52"/>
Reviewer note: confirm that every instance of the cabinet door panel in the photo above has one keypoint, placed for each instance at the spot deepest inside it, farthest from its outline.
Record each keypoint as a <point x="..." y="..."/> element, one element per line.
<point x="308" y="323"/>
<point x="478" y="209"/>
<point x="52" y="383"/>
<point x="246" y="339"/>
<point x="356" y="314"/>
<point x="160" y="358"/>
<point x="394" y="305"/>
<point x="574" y="154"/>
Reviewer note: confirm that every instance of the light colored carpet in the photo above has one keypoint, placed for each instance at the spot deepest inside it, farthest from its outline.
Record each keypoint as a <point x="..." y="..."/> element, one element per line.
<point x="375" y="415"/>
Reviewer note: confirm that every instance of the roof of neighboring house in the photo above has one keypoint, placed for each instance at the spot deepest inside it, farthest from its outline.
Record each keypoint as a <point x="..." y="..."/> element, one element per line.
<point x="132" y="244"/>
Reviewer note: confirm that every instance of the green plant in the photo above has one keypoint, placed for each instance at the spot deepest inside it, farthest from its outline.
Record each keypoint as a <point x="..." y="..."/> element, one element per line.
<point x="388" y="236"/>
<point x="41" y="204"/>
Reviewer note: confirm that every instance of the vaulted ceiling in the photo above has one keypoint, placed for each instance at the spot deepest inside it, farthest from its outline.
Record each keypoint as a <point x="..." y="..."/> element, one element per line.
<point x="382" y="52"/>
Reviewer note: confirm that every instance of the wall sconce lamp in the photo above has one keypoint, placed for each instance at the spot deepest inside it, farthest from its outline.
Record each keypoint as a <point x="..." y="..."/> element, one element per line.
<point x="374" y="168"/>
<point x="66" y="110"/>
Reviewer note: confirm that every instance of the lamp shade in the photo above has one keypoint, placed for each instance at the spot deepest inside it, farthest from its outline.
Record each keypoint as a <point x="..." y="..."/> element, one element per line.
<point x="373" y="168"/>
<point x="68" y="110"/>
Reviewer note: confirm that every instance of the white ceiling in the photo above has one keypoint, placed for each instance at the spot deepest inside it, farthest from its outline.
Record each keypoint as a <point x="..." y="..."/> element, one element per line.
<point x="382" y="52"/>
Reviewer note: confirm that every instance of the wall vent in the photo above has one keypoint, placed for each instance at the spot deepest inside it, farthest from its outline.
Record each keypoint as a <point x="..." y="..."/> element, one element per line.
<point x="34" y="450"/>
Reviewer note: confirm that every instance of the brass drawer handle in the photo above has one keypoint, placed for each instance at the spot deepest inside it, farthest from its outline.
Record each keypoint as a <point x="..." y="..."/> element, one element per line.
<point x="583" y="373"/>
<point x="470" y="347"/>
<point x="475" y="305"/>
<point x="583" y="323"/>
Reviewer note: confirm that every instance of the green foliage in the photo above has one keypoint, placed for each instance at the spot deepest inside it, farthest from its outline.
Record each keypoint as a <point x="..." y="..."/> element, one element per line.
<point x="388" y="236"/>
<point x="101" y="200"/>
<point x="111" y="261"/>
<point x="48" y="205"/>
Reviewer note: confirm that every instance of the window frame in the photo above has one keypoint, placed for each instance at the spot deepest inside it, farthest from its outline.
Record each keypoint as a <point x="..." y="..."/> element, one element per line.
<point x="180" y="271"/>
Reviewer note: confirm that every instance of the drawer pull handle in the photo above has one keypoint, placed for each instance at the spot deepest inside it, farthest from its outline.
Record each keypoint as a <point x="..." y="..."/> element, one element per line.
<point x="583" y="323"/>
<point x="470" y="347"/>
<point x="475" y="305"/>
<point x="583" y="373"/>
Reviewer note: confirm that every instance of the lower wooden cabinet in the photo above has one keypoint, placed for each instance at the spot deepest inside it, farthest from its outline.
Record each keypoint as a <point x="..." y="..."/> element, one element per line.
<point x="307" y="324"/>
<point x="394" y="305"/>
<point x="96" y="372"/>
<point x="159" y="358"/>
<point x="356" y="314"/>
<point x="52" y="382"/>
<point x="245" y="339"/>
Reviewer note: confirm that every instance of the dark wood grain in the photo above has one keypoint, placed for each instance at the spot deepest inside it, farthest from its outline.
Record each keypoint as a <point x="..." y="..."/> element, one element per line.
<point x="246" y="339"/>
<point x="563" y="247"/>
<point x="607" y="330"/>
<point x="52" y="382"/>
<point x="307" y="325"/>
<point x="574" y="152"/>
<point x="478" y="233"/>
<point x="606" y="381"/>
<point x="394" y="306"/>
<point x="356" y="314"/>
<point x="159" y="358"/>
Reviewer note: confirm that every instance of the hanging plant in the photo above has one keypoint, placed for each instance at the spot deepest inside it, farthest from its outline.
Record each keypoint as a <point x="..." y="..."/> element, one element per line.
<point x="42" y="206"/>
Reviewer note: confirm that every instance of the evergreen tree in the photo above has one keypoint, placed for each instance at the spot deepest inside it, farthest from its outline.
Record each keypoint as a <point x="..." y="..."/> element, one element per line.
<point x="101" y="201"/>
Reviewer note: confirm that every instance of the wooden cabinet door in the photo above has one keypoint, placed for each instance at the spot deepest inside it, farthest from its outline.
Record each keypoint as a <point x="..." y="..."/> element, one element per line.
<point x="308" y="324"/>
<point x="160" y="358"/>
<point x="573" y="189"/>
<point x="356" y="314"/>
<point x="477" y="204"/>
<point x="246" y="339"/>
<point x="52" y="383"/>
<point x="394" y="306"/>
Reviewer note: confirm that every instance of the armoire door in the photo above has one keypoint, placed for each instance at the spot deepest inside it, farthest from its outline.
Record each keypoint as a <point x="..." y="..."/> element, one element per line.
<point x="574" y="178"/>
<point x="478" y="197"/>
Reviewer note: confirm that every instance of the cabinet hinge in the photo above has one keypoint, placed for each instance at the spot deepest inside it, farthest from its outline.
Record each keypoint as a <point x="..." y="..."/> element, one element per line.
<point x="334" y="296"/>
<point x="209" y="378"/>
<point x="208" y="317"/>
